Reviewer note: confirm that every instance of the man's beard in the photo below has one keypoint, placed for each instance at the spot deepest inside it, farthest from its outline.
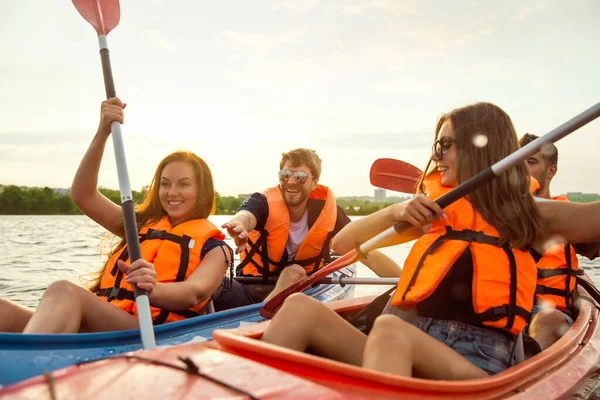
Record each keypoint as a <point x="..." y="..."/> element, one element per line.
<point x="299" y="198"/>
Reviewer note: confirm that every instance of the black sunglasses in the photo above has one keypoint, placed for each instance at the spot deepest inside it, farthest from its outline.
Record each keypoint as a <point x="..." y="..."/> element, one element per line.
<point x="285" y="175"/>
<point x="442" y="145"/>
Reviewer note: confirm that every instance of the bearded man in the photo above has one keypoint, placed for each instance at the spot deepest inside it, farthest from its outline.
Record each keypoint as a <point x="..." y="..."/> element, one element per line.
<point x="284" y="233"/>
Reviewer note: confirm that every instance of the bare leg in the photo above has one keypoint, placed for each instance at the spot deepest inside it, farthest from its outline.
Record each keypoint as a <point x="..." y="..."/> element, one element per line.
<point x="13" y="316"/>
<point x="290" y="274"/>
<point x="68" y="308"/>
<point x="547" y="327"/>
<point x="303" y="322"/>
<point x="397" y="347"/>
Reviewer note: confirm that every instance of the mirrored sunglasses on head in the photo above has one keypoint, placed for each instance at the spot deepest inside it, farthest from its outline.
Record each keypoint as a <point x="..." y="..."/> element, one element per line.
<point x="285" y="175"/>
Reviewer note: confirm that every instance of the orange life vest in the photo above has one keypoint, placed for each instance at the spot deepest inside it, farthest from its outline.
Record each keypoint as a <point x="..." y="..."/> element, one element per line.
<point x="557" y="274"/>
<point x="503" y="279"/>
<point x="264" y="251"/>
<point x="175" y="253"/>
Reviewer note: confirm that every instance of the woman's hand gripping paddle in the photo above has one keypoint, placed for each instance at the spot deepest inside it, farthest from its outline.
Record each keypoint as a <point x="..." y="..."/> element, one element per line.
<point x="475" y="182"/>
<point x="104" y="16"/>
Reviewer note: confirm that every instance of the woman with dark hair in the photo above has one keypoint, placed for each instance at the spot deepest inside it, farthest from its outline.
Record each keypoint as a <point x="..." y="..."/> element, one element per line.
<point x="184" y="257"/>
<point x="469" y="278"/>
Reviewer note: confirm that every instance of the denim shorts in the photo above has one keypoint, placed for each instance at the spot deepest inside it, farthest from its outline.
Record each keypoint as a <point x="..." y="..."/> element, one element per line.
<point x="233" y="294"/>
<point x="489" y="350"/>
<point x="537" y="308"/>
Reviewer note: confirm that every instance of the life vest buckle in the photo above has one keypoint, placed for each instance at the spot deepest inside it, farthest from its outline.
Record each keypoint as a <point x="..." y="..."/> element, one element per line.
<point x="499" y="312"/>
<point x="539" y="289"/>
<point x="469" y="235"/>
<point x="113" y="293"/>
<point x="156" y="234"/>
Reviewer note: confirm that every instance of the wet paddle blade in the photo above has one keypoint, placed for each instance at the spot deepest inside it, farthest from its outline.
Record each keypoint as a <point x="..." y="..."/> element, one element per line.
<point x="103" y="15"/>
<point x="271" y="306"/>
<point x="395" y="175"/>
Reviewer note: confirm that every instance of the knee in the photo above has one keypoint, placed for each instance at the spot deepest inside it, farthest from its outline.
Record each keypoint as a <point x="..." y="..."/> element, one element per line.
<point x="549" y="321"/>
<point x="390" y="330"/>
<point x="62" y="288"/>
<point x="301" y="305"/>
<point x="388" y="323"/>
<point x="293" y="273"/>
<point x="299" y="302"/>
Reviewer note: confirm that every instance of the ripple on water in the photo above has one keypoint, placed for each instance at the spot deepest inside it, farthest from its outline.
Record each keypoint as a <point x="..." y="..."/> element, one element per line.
<point x="38" y="250"/>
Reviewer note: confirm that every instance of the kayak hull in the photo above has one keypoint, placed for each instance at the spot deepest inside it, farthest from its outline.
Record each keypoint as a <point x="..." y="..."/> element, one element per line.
<point x="240" y="362"/>
<point x="24" y="356"/>
<point x="557" y="372"/>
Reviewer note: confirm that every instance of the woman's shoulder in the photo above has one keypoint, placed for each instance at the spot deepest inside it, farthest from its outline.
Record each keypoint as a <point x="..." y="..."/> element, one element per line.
<point x="212" y="243"/>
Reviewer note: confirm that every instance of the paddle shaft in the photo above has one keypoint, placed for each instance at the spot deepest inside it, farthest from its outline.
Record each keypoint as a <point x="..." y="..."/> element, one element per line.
<point x="336" y="280"/>
<point x="127" y="206"/>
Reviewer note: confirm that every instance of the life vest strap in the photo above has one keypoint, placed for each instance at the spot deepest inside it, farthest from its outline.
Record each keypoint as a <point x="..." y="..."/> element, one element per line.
<point x="161" y="235"/>
<point x="318" y="261"/>
<point x="548" y="273"/>
<point x="260" y="246"/>
<point x="509" y="311"/>
<point x="497" y="313"/>
<point x="437" y="243"/>
<point x="164" y="314"/>
<point x="540" y="289"/>
<point x="249" y="256"/>
<point x="116" y="293"/>
<point x="469" y="235"/>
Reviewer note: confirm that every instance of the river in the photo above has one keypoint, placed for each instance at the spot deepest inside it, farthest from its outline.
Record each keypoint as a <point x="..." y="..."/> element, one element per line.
<point x="37" y="250"/>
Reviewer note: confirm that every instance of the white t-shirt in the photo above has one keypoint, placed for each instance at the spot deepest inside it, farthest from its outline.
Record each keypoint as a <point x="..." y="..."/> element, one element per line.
<point x="298" y="231"/>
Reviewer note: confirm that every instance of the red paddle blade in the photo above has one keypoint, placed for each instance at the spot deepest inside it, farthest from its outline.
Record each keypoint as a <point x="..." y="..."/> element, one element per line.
<point x="103" y="15"/>
<point x="395" y="175"/>
<point x="271" y="306"/>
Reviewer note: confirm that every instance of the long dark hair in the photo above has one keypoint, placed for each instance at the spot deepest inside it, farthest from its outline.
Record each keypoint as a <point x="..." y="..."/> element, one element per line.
<point x="485" y="135"/>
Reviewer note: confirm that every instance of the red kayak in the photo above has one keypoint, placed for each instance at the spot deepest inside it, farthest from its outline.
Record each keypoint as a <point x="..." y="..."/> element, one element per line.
<point x="236" y="365"/>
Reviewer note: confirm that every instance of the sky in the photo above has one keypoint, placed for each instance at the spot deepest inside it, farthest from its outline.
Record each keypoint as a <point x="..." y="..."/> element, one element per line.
<point x="240" y="82"/>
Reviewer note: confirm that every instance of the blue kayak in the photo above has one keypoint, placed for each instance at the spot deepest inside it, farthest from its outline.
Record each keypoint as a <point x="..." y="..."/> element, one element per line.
<point x="23" y="356"/>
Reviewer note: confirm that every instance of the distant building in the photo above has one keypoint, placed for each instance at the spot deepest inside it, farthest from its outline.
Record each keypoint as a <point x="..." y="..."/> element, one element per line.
<point x="61" y="191"/>
<point x="380" y="195"/>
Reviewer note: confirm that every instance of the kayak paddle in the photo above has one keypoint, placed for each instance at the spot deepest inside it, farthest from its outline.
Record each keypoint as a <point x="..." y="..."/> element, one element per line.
<point x="335" y="280"/>
<point x="395" y="175"/>
<point x="473" y="183"/>
<point x="104" y="16"/>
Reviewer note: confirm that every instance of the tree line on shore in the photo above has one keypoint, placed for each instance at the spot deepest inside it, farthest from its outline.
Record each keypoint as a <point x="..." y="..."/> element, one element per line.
<point x="15" y="200"/>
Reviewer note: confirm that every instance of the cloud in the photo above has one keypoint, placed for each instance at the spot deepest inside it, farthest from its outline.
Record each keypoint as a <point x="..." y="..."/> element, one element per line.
<point x="409" y="85"/>
<point x="297" y="7"/>
<point x="391" y="8"/>
<point x="525" y="11"/>
<point x="158" y="38"/>
<point x="17" y="139"/>
<point x="251" y="44"/>
<point x="376" y="141"/>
